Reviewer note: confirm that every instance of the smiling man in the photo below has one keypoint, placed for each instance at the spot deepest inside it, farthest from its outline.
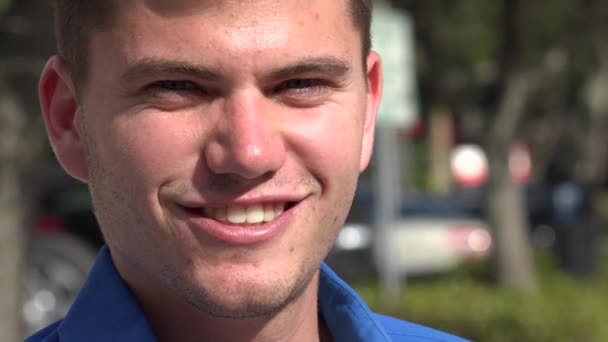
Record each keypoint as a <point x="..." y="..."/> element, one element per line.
<point x="222" y="142"/>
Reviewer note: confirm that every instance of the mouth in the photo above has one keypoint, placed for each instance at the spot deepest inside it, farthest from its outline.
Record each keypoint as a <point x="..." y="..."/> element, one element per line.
<point x="242" y="224"/>
<point x="247" y="214"/>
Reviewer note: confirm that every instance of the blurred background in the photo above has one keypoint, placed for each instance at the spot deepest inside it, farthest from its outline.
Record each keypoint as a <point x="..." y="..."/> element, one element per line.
<point x="484" y="211"/>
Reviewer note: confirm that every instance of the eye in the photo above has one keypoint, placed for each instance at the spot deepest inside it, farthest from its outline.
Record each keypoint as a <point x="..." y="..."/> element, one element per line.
<point x="175" y="94"/>
<point x="172" y="85"/>
<point x="302" y="88"/>
<point x="303" y="92"/>
<point x="299" y="83"/>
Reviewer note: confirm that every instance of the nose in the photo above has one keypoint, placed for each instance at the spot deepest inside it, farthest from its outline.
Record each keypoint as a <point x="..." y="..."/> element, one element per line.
<point x="246" y="141"/>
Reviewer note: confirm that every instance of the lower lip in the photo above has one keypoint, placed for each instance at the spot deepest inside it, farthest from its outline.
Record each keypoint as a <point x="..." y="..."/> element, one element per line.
<point x="234" y="234"/>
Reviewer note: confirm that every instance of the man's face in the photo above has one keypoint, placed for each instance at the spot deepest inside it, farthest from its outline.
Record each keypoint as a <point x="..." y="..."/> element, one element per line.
<point x="223" y="143"/>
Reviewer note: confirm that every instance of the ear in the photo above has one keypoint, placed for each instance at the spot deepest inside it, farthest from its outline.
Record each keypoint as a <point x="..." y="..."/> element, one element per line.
<point x="60" y="113"/>
<point x="374" y="93"/>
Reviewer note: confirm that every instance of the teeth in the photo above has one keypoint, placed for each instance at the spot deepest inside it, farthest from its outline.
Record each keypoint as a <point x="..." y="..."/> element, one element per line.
<point x="255" y="214"/>
<point x="237" y="214"/>
<point x="252" y="214"/>
<point x="269" y="214"/>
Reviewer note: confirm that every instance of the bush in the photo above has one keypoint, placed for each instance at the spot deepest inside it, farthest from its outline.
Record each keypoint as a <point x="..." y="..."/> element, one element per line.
<point x="563" y="309"/>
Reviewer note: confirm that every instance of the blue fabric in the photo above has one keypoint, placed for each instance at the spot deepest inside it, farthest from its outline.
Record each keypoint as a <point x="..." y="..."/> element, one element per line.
<point x="350" y="319"/>
<point x="106" y="310"/>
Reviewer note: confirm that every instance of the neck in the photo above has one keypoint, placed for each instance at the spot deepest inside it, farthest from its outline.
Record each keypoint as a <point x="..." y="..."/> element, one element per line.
<point x="174" y="319"/>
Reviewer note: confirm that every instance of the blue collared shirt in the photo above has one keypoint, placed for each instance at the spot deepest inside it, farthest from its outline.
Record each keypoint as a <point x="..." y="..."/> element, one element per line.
<point x="106" y="310"/>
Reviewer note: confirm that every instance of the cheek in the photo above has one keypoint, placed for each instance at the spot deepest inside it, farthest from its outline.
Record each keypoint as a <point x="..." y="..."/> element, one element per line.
<point x="329" y="144"/>
<point x="132" y="158"/>
<point x="151" y="147"/>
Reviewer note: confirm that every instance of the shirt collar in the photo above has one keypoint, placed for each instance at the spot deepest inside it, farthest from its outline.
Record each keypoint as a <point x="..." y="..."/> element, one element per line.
<point x="345" y="313"/>
<point x="106" y="310"/>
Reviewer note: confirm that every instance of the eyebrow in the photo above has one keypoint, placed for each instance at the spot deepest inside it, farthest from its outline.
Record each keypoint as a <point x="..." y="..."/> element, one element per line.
<point x="328" y="66"/>
<point x="151" y="66"/>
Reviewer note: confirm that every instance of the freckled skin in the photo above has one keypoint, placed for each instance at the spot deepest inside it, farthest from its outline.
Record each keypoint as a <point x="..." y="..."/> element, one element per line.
<point x="248" y="141"/>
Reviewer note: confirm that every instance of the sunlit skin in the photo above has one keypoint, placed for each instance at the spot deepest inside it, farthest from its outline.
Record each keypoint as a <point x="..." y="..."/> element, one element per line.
<point x="194" y="104"/>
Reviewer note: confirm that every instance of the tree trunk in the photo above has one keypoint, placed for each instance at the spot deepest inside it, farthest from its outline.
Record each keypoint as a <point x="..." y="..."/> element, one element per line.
<point x="594" y="156"/>
<point x="12" y="229"/>
<point x="515" y="266"/>
<point x="595" y="161"/>
<point x="505" y="204"/>
<point x="440" y="141"/>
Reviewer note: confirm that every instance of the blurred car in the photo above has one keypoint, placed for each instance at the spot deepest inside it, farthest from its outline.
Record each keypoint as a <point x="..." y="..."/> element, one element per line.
<point x="63" y="244"/>
<point x="437" y="234"/>
<point x="57" y="267"/>
<point x="431" y="236"/>
<point x="427" y="245"/>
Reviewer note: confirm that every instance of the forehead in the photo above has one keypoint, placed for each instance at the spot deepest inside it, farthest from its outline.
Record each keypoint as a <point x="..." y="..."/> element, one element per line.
<point x="233" y="8"/>
<point x="232" y="26"/>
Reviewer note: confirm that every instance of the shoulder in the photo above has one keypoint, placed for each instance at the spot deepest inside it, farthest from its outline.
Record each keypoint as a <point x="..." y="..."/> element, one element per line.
<point x="399" y="330"/>
<point x="48" y="334"/>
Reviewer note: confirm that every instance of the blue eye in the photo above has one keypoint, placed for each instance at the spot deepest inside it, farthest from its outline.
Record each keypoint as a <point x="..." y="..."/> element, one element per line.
<point x="303" y="92"/>
<point x="172" y="95"/>
<point x="302" y="86"/>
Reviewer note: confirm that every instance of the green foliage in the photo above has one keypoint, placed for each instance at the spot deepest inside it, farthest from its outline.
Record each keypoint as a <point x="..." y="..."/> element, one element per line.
<point x="4" y="4"/>
<point x="563" y="310"/>
<point x="466" y="31"/>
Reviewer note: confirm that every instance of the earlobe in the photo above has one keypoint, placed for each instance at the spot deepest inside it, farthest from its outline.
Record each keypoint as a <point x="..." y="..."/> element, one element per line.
<point x="59" y="110"/>
<point x="374" y="93"/>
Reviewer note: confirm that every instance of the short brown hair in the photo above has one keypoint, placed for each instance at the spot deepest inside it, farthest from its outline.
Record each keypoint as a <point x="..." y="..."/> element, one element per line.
<point x="75" y="20"/>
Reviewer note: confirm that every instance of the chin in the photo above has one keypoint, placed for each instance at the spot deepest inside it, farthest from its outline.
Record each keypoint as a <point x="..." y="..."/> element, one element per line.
<point x="239" y="294"/>
<point x="239" y="307"/>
